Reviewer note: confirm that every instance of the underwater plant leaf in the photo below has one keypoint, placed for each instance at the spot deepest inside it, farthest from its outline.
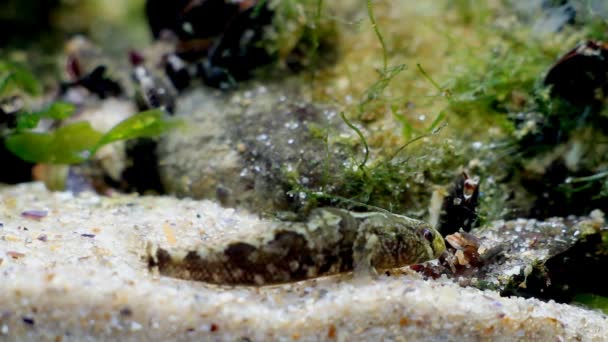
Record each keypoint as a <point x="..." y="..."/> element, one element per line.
<point x="13" y="75"/>
<point x="57" y="110"/>
<point x="27" y="121"/>
<point x="146" y="124"/>
<point x="5" y="78"/>
<point x="70" y="144"/>
<point x="77" y="142"/>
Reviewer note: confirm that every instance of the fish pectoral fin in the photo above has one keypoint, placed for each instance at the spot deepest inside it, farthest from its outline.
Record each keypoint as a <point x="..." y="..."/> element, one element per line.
<point x="364" y="250"/>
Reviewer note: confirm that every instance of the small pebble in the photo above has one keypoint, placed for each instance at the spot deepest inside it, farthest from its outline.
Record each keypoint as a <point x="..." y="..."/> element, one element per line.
<point x="28" y="320"/>
<point x="34" y="214"/>
<point x="15" y="255"/>
<point x="331" y="333"/>
<point x="126" y="311"/>
<point x="88" y="235"/>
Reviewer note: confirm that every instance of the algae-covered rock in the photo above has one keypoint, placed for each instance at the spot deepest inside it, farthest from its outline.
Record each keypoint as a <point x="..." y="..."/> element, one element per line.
<point x="251" y="147"/>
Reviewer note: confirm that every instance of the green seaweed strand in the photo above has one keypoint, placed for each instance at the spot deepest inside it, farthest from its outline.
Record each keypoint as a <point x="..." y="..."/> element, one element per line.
<point x="358" y="131"/>
<point x="372" y="19"/>
<point x="442" y="91"/>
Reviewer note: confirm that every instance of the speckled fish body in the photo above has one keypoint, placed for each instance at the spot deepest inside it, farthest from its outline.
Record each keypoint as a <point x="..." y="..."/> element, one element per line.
<point x="330" y="241"/>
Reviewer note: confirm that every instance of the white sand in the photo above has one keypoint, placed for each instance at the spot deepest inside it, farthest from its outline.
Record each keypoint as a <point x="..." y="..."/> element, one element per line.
<point x="75" y="287"/>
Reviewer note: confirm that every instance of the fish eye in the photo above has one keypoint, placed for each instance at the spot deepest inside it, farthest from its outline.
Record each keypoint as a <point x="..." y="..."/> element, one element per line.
<point x="428" y="235"/>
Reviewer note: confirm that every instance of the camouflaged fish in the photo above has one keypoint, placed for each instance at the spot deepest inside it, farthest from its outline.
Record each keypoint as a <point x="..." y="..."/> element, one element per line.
<point x="330" y="241"/>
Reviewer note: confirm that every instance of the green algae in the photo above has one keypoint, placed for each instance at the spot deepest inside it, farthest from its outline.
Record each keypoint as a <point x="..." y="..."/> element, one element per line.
<point x="77" y="142"/>
<point x="477" y="68"/>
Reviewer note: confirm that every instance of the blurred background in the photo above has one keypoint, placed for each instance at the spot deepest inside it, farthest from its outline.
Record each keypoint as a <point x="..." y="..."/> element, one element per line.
<point x="45" y="24"/>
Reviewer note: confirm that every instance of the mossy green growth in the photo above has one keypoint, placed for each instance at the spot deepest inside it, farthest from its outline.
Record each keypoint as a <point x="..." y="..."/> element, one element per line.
<point x="398" y="183"/>
<point x="506" y="85"/>
<point x="480" y="67"/>
<point x="506" y="73"/>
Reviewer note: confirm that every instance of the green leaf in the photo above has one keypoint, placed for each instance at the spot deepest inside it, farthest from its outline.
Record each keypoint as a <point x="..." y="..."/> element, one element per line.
<point x="17" y="76"/>
<point x="26" y="121"/>
<point x="5" y="79"/>
<point x="57" y="111"/>
<point x="146" y="124"/>
<point x="77" y="142"/>
<point x="70" y="144"/>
